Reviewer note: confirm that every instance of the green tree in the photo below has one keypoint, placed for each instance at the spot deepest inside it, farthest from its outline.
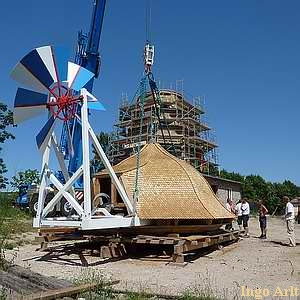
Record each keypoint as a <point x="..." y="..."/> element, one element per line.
<point x="232" y="176"/>
<point x="273" y="201"/>
<point x="212" y="170"/>
<point x="25" y="177"/>
<point x="255" y="188"/>
<point x="6" y="120"/>
<point x="103" y="138"/>
<point x="291" y="189"/>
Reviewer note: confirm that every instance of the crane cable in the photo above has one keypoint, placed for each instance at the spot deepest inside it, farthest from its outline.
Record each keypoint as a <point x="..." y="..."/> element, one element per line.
<point x="148" y="14"/>
<point x="160" y="112"/>
<point x="153" y="87"/>
<point x="142" y="97"/>
<point x="141" y="101"/>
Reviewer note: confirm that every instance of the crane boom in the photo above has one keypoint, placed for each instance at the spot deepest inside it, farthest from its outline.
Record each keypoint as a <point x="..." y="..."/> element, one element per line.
<point x="91" y="58"/>
<point x="88" y="57"/>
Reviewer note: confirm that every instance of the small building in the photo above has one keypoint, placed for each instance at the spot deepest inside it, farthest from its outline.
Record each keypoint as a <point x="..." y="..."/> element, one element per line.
<point x="225" y="188"/>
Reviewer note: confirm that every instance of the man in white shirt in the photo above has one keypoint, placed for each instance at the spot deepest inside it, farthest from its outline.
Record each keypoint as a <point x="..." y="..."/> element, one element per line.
<point x="238" y="211"/>
<point x="290" y="220"/>
<point x="245" y="214"/>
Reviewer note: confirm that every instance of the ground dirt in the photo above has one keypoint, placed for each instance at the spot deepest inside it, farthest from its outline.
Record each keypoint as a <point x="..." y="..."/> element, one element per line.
<point x="251" y="262"/>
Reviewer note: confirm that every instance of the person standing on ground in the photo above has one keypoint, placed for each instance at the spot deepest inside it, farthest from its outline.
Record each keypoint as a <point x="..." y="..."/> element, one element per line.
<point x="290" y="220"/>
<point x="228" y="204"/>
<point x="230" y="207"/>
<point x="262" y="210"/>
<point x="245" y="207"/>
<point x="238" y="212"/>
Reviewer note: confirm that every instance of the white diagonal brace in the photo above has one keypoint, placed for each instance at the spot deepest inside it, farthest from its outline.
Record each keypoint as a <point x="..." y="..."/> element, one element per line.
<point x="43" y="183"/>
<point x="111" y="172"/>
<point x="86" y="156"/>
<point x="63" y="192"/>
<point x="61" y="162"/>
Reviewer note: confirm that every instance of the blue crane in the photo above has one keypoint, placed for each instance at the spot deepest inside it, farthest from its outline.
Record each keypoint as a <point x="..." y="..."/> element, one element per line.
<point x="87" y="56"/>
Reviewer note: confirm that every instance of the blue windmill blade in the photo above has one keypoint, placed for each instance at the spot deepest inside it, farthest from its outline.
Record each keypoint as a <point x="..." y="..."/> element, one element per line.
<point x="28" y="98"/>
<point x="36" y="69"/>
<point x="43" y="136"/>
<point x="96" y="106"/>
<point x="35" y="64"/>
<point x="93" y="103"/>
<point x="78" y="76"/>
<point x="28" y="104"/>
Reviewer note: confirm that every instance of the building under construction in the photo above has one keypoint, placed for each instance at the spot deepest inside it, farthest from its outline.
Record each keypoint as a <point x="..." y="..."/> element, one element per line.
<point x="172" y="121"/>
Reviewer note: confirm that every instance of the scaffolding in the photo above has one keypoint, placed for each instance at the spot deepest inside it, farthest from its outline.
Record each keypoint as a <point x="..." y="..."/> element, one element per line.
<point x="190" y="136"/>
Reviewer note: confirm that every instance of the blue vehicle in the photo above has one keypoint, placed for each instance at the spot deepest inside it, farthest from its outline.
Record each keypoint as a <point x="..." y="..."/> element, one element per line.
<point x="22" y="199"/>
<point x="27" y="197"/>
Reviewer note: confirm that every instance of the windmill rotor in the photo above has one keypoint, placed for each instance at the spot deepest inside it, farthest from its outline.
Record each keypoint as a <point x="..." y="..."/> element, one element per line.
<point x="55" y="86"/>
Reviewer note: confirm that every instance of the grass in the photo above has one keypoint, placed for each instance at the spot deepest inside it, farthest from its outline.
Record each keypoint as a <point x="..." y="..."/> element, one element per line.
<point x="191" y="296"/>
<point x="105" y="291"/>
<point x="3" y="294"/>
<point x="12" y="222"/>
<point x="200" y="293"/>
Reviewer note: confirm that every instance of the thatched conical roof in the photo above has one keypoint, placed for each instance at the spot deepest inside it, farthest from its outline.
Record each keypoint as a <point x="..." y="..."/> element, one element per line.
<point x="169" y="188"/>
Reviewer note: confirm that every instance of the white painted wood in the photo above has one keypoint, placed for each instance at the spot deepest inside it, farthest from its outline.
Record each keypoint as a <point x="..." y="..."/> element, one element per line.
<point x="62" y="191"/>
<point x="111" y="172"/>
<point x="86" y="157"/>
<point x="43" y="184"/>
<point x="84" y="220"/>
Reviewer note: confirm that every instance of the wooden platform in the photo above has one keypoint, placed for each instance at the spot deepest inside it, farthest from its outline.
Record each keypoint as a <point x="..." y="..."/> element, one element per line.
<point x="186" y="244"/>
<point x="115" y="246"/>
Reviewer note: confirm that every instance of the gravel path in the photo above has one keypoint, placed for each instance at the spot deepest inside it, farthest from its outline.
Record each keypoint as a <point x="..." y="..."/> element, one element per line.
<point x="251" y="262"/>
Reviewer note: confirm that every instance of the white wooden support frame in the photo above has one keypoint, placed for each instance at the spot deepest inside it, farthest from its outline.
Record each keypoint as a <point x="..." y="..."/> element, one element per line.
<point x="84" y="217"/>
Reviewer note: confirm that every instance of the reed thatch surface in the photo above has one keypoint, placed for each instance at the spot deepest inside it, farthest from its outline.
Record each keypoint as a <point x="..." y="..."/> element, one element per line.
<point x="169" y="188"/>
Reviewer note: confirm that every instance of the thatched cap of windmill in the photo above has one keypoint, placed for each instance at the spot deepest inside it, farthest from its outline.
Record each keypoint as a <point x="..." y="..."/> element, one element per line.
<point x="169" y="188"/>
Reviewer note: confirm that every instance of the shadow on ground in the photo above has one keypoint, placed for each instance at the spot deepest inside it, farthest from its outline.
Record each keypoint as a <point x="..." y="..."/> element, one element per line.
<point x="87" y="254"/>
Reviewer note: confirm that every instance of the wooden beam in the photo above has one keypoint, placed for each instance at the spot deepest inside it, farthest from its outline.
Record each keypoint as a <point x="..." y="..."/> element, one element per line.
<point x="114" y="194"/>
<point x="65" y="292"/>
<point x="57" y="229"/>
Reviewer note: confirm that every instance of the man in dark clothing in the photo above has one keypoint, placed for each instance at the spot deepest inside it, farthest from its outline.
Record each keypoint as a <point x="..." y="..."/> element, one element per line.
<point x="262" y="210"/>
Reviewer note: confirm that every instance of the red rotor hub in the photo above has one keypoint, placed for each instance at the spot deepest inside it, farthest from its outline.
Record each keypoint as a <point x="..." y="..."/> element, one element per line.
<point x="62" y="102"/>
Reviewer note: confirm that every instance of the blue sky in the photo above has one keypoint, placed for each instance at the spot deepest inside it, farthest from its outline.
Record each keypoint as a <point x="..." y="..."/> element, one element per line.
<point x="243" y="57"/>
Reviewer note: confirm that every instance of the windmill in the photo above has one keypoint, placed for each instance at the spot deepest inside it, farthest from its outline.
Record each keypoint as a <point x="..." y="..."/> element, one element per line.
<point x="57" y="88"/>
